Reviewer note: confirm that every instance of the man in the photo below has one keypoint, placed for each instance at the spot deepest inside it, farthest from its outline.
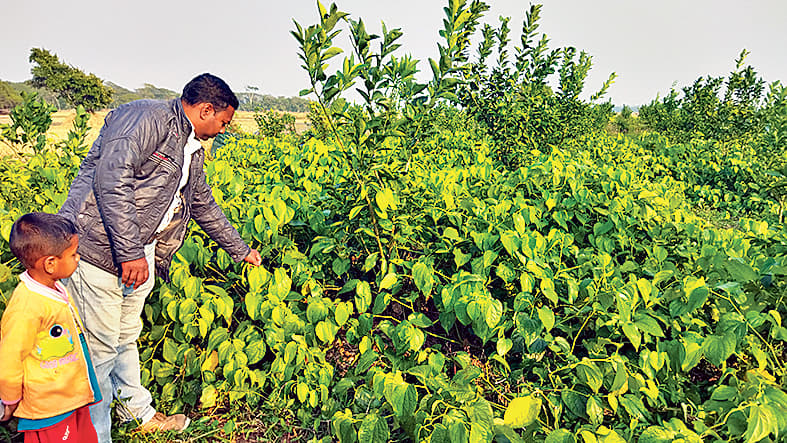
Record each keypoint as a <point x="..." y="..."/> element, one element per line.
<point x="137" y="188"/>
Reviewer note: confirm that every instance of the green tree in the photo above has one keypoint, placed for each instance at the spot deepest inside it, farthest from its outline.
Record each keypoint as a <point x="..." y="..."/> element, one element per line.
<point x="514" y="98"/>
<point x="711" y="108"/>
<point x="68" y="82"/>
<point x="625" y="122"/>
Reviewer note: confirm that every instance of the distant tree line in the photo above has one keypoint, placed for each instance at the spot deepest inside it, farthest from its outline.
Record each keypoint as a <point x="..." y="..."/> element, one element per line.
<point x="122" y="95"/>
<point x="10" y="97"/>
<point x="65" y="86"/>
<point x="252" y="101"/>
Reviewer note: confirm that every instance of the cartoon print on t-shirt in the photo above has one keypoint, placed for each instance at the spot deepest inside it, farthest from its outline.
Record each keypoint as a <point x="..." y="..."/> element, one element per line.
<point x="53" y="343"/>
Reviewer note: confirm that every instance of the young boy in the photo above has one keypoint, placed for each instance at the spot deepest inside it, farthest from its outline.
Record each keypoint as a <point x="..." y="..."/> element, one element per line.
<point x="46" y="377"/>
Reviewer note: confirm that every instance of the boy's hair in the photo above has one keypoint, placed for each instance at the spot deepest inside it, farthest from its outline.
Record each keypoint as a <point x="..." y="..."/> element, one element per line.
<point x="207" y="88"/>
<point x="39" y="234"/>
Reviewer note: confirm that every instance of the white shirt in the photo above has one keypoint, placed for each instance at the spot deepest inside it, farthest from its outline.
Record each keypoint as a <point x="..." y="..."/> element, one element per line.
<point x="192" y="146"/>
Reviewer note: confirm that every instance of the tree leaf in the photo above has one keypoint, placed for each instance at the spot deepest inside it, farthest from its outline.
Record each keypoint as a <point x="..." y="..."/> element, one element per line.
<point x="648" y="324"/>
<point x="481" y="421"/>
<point x="594" y="410"/>
<point x="494" y="312"/>
<point x="208" y="397"/>
<point x="217" y="336"/>
<point x="740" y="271"/>
<point x="210" y="363"/>
<point x="302" y="391"/>
<point x="281" y="284"/>
<point x="575" y="402"/>
<point x="342" y="313"/>
<point x="504" y="345"/>
<point x="170" y="351"/>
<point x="343" y="428"/>
<point x="548" y="289"/>
<point x="657" y="434"/>
<point x="460" y="258"/>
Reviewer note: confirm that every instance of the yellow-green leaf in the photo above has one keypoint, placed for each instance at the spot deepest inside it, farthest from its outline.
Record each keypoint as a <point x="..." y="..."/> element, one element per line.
<point x="388" y="281"/>
<point x="547" y="317"/>
<point x="522" y="411"/>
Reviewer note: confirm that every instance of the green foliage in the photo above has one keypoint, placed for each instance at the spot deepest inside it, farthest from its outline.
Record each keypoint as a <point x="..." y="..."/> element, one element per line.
<point x="416" y="288"/>
<point x="513" y="100"/>
<point x="625" y="122"/>
<point x="38" y="175"/>
<point x="275" y="124"/>
<point x="319" y="126"/>
<point x="583" y="278"/>
<point x="773" y="145"/>
<point x="394" y="103"/>
<point x="45" y="94"/>
<point x="712" y="108"/>
<point x="68" y="82"/>
<point x="736" y="178"/>
<point x="29" y="122"/>
<point x="9" y="98"/>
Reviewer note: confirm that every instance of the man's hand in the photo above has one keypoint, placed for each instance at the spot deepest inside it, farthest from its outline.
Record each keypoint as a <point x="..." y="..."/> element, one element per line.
<point x="253" y="258"/>
<point x="8" y="411"/>
<point x="135" y="272"/>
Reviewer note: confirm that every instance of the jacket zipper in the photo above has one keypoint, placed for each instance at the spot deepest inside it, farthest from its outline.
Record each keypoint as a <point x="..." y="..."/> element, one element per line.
<point x="81" y="332"/>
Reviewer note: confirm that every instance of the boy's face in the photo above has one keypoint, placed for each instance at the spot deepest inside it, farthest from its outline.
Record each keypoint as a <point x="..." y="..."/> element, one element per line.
<point x="66" y="263"/>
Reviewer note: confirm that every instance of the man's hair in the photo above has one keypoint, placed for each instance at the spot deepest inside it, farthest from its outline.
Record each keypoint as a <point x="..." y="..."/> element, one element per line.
<point x="207" y="88"/>
<point x="39" y="234"/>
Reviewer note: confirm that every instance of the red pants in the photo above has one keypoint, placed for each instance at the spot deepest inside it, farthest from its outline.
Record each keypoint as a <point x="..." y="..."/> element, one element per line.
<point x="77" y="428"/>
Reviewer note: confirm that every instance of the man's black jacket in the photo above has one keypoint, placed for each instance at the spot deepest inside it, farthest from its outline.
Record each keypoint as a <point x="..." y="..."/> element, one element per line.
<point x="127" y="182"/>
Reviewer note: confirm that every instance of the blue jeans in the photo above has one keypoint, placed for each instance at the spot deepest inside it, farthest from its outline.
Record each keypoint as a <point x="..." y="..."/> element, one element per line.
<point x="112" y="318"/>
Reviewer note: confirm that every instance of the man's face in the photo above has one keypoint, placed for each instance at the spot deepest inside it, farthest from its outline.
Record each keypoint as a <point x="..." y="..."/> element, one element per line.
<point x="212" y="123"/>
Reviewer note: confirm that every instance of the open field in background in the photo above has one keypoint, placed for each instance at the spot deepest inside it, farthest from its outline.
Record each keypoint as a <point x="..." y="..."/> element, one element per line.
<point x="245" y="121"/>
<point x="62" y="121"/>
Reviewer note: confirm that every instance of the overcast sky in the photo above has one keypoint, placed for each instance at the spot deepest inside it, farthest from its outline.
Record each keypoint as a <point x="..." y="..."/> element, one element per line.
<point x="649" y="44"/>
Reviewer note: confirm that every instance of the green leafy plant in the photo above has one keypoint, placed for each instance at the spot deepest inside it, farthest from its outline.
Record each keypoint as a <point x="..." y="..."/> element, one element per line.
<point x="274" y="124"/>
<point x="704" y="110"/>
<point x="513" y="100"/>
<point x="29" y="122"/>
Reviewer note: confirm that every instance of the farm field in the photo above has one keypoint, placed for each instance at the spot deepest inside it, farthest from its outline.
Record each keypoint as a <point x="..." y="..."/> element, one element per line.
<point x="479" y="258"/>
<point x="62" y="122"/>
